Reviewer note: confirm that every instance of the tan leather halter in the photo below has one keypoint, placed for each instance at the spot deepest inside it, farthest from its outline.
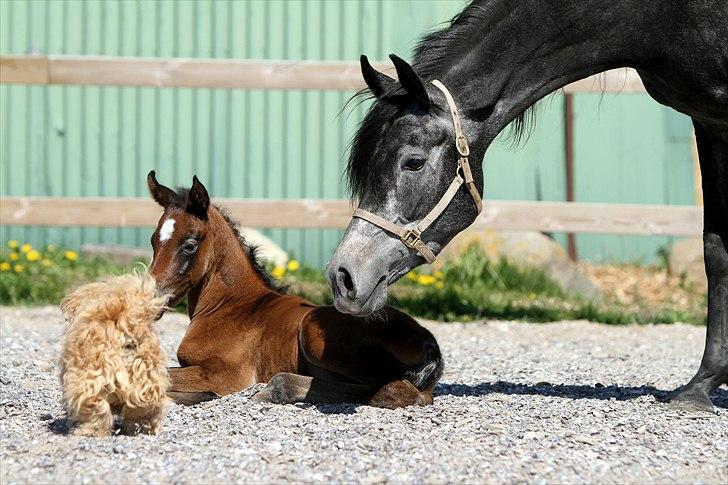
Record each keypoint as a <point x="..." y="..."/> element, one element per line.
<point x="412" y="237"/>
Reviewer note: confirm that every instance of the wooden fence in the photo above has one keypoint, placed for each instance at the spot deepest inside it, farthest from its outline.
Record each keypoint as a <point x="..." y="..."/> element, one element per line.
<point x="567" y="217"/>
<point x="232" y="74"/>
<point x="333" y="214"/>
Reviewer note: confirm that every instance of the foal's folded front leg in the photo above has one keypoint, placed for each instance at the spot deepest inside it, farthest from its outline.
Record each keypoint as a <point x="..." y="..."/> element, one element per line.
<point x="287" y="388"/>
<point x="190" y="385"/>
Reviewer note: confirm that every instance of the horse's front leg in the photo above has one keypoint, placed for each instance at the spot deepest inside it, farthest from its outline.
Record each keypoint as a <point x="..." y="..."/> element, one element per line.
<point x="287" y="388"/>
<point x="190" y="385"/>
<point x="713" y="370"/>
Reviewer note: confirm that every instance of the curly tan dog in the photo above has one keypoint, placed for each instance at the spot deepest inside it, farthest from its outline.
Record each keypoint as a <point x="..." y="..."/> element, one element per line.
<point x="112" y="361"/>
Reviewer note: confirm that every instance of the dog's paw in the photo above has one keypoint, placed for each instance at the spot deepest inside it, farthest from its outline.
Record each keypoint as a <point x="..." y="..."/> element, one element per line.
<point x="90" y="431"/>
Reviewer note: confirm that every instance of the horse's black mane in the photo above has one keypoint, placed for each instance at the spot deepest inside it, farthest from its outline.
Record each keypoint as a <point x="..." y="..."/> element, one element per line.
<point x="434" y="52"/>
<point x="250" y="250"/>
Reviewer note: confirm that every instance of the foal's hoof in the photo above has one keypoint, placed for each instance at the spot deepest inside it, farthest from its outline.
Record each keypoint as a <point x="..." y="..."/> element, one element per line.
<point x="262" y="396"/>
<point x="279" y="390"/>
<point x="691" y="400"/>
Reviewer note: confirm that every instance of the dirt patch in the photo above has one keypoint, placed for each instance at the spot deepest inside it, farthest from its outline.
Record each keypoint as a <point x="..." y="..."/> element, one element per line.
<point x="646" y="286"/>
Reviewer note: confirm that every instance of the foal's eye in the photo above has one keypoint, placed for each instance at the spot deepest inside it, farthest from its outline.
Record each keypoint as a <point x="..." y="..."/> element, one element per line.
<point x="414" y="164"/>
<point x="190" y="246"/>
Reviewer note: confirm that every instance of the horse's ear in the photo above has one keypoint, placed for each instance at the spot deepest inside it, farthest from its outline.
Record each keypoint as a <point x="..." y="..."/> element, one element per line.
<point x="411" y="82"/>
<point x="161" y="194"/>
<point x="198" y="201"/>
<point x="377" y="82"/>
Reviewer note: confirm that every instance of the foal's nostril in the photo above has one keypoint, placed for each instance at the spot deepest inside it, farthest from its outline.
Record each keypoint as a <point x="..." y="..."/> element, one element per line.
<point x="345" y="283"/>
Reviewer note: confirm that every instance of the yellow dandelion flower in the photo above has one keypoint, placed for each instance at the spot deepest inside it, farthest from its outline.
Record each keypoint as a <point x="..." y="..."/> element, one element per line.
<point x="412" y="276"/>
<point x="26" y="248"/>
<point x="70" y="255"/>
<point x="19" y="268"/>
<point x="51" y="248"/>
<point x="4" y="266"/>
<point x="293" y="265"/>
<point x="278" y="272"/>
<point x="438" y="274"/>
<point x="532" y="296"/>
<point x="13" y="256"/>
<point x="426" y="279"/>
<point x="439" y="285"/>
<point x="46" y="262"/>
<point x="32" y="255"/>
<point x="13" y="244"/>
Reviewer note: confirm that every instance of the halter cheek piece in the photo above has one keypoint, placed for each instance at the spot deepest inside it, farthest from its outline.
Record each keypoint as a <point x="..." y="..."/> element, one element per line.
<point x="412" y="237"/>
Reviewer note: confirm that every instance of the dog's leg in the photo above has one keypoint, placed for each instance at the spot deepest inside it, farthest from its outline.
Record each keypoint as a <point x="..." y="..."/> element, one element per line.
<point x="94" y="417"/>
<point x="142" y="419"/>
<point x="190" y="385"/>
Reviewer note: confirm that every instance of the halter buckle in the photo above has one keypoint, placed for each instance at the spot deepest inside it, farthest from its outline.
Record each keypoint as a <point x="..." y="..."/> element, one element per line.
<point x="411" y="237"/>
<point x="461" y="143"/>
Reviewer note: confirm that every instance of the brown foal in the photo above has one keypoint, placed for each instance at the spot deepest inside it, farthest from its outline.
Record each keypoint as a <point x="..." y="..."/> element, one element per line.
<point x="244" y="329"/>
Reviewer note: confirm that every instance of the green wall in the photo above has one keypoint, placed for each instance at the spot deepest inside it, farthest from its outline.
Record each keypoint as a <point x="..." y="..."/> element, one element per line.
<point x="89" y="141"/>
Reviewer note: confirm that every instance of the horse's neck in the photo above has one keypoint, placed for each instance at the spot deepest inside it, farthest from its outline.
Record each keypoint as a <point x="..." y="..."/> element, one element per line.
<point x="231" y="284"/>
<point x="525" y="50"/>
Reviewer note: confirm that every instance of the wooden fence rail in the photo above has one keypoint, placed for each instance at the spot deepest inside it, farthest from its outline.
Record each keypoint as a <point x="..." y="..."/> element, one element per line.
<point x="231" y="73"/>
<point x="314" y="213"/>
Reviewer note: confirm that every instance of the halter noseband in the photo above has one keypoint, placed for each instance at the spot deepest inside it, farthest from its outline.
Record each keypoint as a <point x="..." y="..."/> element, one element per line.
<point x="412" y="237"/>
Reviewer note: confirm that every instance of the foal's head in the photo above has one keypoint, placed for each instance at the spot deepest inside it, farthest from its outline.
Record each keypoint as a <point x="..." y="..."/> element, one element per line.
<point x="182" y="248"/>
<point x="195" y="241"/>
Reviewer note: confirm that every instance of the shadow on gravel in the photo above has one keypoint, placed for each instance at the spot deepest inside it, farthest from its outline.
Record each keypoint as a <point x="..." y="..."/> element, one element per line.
<point x="569" y="391"/>
<point x="60" y="426"/>
<point x="336" y="408"/>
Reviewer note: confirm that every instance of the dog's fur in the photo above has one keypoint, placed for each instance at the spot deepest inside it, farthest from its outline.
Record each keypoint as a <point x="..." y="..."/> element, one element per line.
<point x="112" y="361"/>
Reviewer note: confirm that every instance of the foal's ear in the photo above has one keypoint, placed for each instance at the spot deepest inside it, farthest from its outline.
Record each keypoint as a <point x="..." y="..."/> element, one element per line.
<point x="198" y="201"/>
<point x="411" y="82"/>
<point x="377" y="82"/>
<point x="162" y="195"/>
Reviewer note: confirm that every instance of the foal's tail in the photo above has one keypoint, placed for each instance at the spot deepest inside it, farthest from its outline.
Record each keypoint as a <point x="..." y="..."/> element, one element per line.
<point x="426" y="375"/>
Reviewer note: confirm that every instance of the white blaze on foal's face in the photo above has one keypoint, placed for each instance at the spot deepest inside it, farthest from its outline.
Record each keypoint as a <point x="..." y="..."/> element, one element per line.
<point x="165" y="232"/>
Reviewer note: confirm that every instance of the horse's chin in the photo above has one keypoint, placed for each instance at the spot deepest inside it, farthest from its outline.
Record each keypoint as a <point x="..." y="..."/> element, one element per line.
<point x="172" y="300"/>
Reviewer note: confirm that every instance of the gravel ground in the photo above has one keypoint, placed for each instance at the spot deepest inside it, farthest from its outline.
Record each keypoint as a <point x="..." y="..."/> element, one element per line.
<point x="562" y="402"/>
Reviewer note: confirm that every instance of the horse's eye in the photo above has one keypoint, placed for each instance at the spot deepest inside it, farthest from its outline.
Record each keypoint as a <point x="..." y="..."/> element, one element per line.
<point x="414" y="164"/>
<point x="190" y="246"/>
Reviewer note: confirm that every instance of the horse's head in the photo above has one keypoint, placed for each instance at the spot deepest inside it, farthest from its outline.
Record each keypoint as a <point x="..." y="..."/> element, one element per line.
<point x="182" y="250"/>
<point x="402" y="162"/>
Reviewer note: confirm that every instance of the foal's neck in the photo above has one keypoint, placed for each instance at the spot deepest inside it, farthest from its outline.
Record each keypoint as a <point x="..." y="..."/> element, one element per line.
<point x="517" y="52"/>
<point x="231" y="282"/>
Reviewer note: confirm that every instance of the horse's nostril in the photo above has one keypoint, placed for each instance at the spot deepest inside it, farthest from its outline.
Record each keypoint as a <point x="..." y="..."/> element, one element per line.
<point x="346" y="283"/>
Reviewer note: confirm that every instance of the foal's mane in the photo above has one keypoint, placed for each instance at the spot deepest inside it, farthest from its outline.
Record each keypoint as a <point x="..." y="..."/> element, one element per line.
<point x="433" y="54"/>
<point x="250" y="250"/>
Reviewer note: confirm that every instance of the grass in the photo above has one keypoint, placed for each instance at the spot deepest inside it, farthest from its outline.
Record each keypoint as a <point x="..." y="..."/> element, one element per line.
<point x="34" y="276"/>
<point x="475" y="287"/>
<point x="471" y="288"/>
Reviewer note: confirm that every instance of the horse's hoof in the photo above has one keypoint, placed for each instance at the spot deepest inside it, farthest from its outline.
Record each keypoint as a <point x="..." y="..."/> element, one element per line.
<point x="262" y="396"/>
<point x="691" y="400"/>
